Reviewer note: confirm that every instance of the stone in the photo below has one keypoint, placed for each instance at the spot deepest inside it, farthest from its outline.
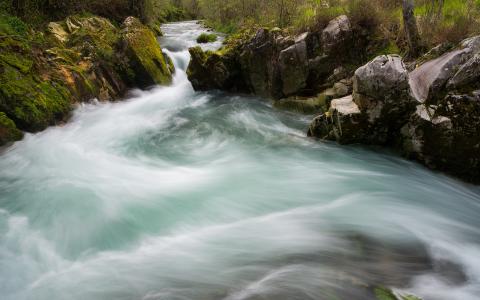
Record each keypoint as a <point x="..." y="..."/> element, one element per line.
<point x="429" y="79"/>
<point x="293" y="66"/>
<point x="8" y="130"/>
<point x="145" y="55"/>
<point x="382" y="92"/>
<point x="57" y="30"/>
<point x="343" y="123"/>
<point x="467" y="75"/>
<point x="304" y="105"/>
<point x="336" y="34"/>
<point x="342" y="89"/>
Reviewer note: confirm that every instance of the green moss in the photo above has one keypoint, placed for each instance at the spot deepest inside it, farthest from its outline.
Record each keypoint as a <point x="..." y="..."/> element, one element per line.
<point x="31" y="102"/>
<point x="8" y="130"/>
<point x="383" y="293"/>
<point x="207" y="38"/>
<point x="146" y="55"/>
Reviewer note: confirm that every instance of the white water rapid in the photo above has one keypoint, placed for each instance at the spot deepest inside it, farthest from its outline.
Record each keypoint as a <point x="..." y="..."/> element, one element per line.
<point x="175" y="194"/>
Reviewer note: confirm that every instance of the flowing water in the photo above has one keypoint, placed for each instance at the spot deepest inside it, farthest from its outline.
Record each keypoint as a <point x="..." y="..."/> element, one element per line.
<point x="175" y="194"/>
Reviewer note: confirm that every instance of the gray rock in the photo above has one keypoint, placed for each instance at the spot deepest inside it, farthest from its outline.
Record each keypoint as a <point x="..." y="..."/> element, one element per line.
<point x="343" y="123"/>
<point x="385" y="76"/>
<point x="342" y="89"/>
<point x="429" y="79"/>
<point x="337" y="32"/>
<point x="467" y="74"/>
<point x="293" y="66"/>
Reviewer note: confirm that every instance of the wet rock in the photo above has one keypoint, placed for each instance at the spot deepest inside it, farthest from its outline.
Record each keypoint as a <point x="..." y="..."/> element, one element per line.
<point x="293" y="65"/>
<point x="207" y="70"/>
<point x="259" y="65"/>
<point x="445" y="136"/>
<point x="144" y="54"/>
<point x="343" y="122"/>
<point x="8" y="130"/>
<point x="382" y="92"/>
<point x="304" y="105"/>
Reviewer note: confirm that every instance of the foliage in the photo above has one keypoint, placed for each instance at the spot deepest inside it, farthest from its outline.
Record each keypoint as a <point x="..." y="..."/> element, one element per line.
<point x="206" y="38"/>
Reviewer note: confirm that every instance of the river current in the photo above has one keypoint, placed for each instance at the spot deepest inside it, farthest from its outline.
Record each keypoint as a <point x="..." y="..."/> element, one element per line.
<point x="177" y="194"/>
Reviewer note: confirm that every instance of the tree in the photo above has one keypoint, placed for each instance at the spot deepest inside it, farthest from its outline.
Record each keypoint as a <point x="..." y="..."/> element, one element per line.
<point x="411" y="29"/>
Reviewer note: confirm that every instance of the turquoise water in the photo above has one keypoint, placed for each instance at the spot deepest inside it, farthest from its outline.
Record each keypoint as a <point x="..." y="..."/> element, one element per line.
<point x="174" y="194"/>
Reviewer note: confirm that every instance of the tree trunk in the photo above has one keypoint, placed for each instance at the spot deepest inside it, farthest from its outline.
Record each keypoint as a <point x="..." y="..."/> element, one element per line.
<point x="411" y="29"/>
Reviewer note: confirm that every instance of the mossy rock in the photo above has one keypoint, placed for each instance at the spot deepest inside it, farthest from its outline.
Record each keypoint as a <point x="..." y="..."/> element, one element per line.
<point x="8" y="130"/>
<point x="207" y="38"/>
<point x="304" y="105"/>
<point x="31" y="102"/>
<point x="383" y="293"/>
<point x="144" y="53"/>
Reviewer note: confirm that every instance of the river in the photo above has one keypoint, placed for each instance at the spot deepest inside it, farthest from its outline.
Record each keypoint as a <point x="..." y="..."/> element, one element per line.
<point x="177" y="194"/>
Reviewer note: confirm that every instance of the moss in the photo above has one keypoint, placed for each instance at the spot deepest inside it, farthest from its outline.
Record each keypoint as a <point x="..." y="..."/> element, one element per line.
<point x="8" y="130"/>
<point x="383" y="293"/>
<point x="206" y="38"/>
<point x="31" y="102"/>
<point x="145" y="54"/>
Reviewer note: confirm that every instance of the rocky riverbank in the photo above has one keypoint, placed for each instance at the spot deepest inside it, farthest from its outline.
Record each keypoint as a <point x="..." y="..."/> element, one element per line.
<point x="43" y="73"/>
<point x="428" y="111"/>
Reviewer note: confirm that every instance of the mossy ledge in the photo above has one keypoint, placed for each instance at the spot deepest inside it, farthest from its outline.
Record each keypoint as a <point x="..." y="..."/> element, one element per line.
<point x="43" y="73"/>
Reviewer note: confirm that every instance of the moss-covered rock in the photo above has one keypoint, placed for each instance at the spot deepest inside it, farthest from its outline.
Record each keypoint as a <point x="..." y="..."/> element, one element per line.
<point x="144" y="54"/>
<point x="77" y="59"/>
<point x="304" y="105"/>
<point x="206" y="38"/>
<point x="8" y="131"/>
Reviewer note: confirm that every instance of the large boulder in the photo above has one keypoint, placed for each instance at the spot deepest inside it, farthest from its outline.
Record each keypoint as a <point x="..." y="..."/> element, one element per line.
<point x="337" y="35"/>
<point x="207" y="70"/>
<point x="259" y="63"/>
<point x="382" y="92"/>
<point x="144" y="54"/>
<point x="293" y="66"/>
<point x="445" y="136"/>
<point x="451" y="70"/>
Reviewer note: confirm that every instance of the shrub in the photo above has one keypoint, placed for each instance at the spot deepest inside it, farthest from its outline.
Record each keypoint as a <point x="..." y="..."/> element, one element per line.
<point x="206" y="38"/>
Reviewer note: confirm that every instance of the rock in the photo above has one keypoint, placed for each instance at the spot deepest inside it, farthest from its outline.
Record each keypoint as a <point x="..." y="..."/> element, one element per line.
<point x="342" y="89"/>
<point x="304" y="105"/>
<point x="293" y="66"/>
<point x="8" y="130"/>
<point x="336" y="35"/>
<point x="382" y="92"/>
<point x="258" y="61"/>
<point x="343" y="123"/>
<point x="144" y="54"/>
<point x="434" y="77"/>
<point x="207" y="70"/>
<point x="467" y="75"/>
<point x="429" y="79"/>
<point x="57" y="30"/>
<point x="445" y="137"/>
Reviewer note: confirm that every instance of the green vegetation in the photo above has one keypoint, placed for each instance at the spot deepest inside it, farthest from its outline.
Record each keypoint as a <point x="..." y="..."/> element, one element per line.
<point x="438" y="21"/>
<point x="206" y="38"/>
